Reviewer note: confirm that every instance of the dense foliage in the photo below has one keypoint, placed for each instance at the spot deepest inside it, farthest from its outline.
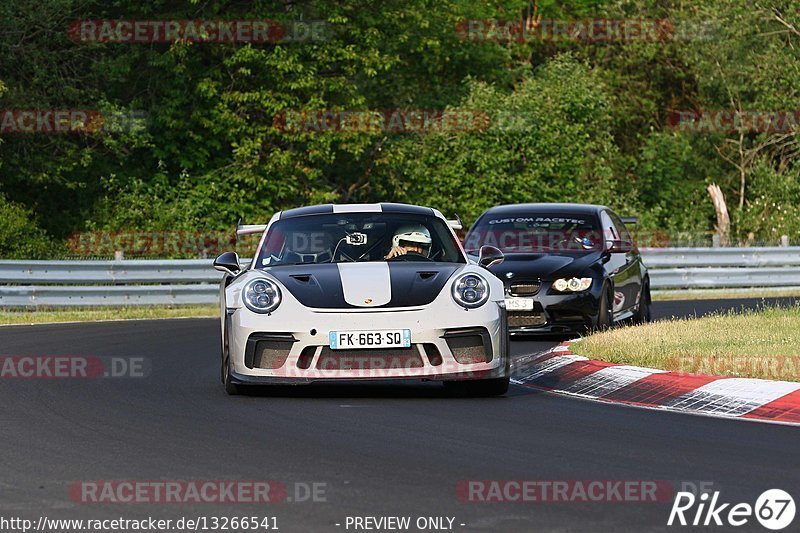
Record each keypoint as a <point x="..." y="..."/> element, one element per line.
<point x="191" y="141"/>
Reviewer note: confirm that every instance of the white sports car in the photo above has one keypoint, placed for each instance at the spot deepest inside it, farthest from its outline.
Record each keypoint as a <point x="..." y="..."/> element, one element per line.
<point x="363" y="291"/>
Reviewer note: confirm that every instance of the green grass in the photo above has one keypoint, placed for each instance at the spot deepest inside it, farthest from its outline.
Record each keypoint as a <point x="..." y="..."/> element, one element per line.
<point x="108" y="313"/>
<point x="757" y="344"/>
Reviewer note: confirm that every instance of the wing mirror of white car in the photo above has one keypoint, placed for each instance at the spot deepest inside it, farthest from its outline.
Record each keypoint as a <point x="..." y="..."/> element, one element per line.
<point x="228" y="262"/>
<point x="490" y="256"/>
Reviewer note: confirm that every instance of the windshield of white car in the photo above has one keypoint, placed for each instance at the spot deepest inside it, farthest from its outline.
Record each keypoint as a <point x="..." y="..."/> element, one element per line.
<point x="536" y="233"/>
<point x="356" y="237"/>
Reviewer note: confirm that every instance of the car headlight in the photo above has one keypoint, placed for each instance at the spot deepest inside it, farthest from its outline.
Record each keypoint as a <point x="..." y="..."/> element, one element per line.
<point x="572" y="284"/>
<point x="470" y="291"/>
<point x="261" y="296"/>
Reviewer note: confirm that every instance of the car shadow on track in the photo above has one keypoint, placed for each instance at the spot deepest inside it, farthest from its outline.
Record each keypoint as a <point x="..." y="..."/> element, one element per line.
<point x="377" y="389"/>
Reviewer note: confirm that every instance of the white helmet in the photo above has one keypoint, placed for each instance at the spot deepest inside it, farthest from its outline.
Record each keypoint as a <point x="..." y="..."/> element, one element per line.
<point x="415" y="235"/>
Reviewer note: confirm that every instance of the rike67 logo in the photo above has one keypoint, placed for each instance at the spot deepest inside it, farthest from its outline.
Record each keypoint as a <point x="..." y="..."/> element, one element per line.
<point x="774" y="509"/>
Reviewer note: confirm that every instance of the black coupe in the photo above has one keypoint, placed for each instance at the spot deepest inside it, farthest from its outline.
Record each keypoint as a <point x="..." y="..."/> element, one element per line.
<point x="568" y="267"/>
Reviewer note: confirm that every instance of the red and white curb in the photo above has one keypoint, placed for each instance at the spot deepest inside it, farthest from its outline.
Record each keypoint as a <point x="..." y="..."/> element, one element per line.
<point x="559" y="370"/>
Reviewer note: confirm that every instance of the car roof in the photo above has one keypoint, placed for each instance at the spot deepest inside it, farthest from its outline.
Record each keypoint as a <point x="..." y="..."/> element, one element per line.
<point x="515" y="209"/>
<point x="383" y="207"/>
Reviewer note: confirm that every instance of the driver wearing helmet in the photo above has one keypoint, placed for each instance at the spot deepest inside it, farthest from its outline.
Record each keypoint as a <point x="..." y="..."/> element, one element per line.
<point x="410" y="239"/>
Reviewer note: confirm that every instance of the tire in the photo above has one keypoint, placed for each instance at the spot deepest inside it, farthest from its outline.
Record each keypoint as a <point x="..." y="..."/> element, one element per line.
<point x="223" y="364"/>
<point x="230" y="387"/>
<point x="225" y="370"/>
<point x="223" y="352"/>
<point x="479" y="388"/>
<point x="605" y="316"/>
<point x="643" y="315"/>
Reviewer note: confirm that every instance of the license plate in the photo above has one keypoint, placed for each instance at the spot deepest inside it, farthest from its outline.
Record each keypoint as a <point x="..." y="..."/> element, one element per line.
<point x="385" y="338"/>
<point x="519" y="304"/>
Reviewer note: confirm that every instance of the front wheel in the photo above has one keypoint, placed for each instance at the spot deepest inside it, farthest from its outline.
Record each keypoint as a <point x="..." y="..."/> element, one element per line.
<point x="605" y="315"/>
<point x="230" y="387"/>
<point x="642" y="315"/>
<point x="478" y="388"/>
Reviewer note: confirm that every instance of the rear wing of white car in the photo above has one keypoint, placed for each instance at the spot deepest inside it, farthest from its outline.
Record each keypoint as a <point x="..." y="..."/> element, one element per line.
<point x="250" y="229"/>
<point x="456" y="224"/>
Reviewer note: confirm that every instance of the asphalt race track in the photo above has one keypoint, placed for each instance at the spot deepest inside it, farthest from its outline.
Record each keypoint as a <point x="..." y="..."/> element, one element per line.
<point x="378" y="450"/>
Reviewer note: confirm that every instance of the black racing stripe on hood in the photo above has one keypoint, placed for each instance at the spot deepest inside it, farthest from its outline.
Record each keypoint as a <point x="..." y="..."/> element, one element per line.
<point x="418" y="283"/>
<point x="313" y="285"/>
<point x="320" y="286"/>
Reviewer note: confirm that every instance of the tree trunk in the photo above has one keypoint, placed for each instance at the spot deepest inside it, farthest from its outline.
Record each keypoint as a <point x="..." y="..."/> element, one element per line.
<point x="723" y="225"/>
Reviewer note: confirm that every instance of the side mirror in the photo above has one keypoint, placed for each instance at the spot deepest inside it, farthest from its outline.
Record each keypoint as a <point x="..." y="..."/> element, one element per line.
<point x="490" y="256"/>
<point x="617" y="247"/>
<point x="228" y="262"/>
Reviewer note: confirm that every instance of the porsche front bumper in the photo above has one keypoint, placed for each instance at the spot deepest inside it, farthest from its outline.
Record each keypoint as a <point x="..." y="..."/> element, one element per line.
<point x="447" y="343"/>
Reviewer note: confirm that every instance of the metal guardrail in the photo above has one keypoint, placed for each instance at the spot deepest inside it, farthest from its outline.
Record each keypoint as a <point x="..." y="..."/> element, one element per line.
<point x="134" y="271"/>
<point x="721" y="257"/>
<point x="194" y="281"/>
<point x="108" y="296"/>
<point x="107" y="283"/>
<point x="722" y="278"/>
<point x="723" y="268"/>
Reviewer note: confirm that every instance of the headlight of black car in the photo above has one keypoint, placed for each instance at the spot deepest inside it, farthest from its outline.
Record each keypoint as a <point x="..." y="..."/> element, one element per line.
<point x="572" y="284"/>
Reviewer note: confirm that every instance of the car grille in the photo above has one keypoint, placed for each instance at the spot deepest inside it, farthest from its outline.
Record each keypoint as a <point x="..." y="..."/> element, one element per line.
<point x="369" y="359"/>
<point x="518" y="319"/>
<point x="524" y="288"/>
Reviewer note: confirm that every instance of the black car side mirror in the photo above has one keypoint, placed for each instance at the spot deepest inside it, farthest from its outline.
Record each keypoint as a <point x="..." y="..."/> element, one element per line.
<point x="490" y="256"/>
<point x="617" y="247"/>
<point x="228" y="262"/>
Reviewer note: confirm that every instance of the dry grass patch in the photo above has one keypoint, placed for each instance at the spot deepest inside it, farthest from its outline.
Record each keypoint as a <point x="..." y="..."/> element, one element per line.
<point x="757" y="344"/>
<point x="110" y="313"/>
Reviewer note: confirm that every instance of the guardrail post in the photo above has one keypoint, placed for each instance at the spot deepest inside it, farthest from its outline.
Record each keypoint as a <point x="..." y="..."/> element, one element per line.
<point x="715" y="240"/>
<point x="784" y="241"/>
<point x="119" y="255"/>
